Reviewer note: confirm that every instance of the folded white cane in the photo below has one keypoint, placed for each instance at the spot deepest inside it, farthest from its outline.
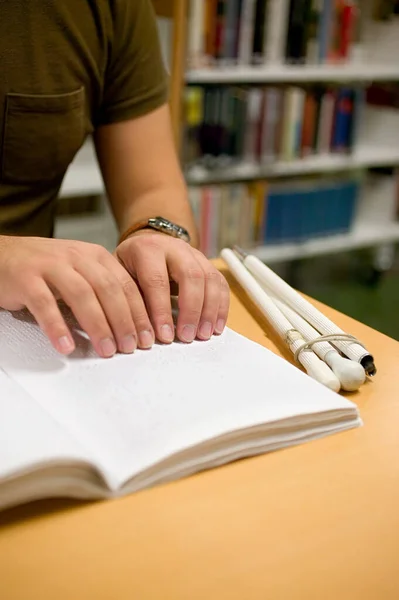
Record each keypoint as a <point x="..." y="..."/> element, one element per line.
<point x="350" y="373"/>
<point x="316" y="368"/>
<point x="345" y="342"/>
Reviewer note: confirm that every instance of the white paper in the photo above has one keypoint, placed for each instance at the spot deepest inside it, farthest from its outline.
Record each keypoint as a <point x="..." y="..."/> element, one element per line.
<point x="133" y="411"/>
<point x="28" y="435"/>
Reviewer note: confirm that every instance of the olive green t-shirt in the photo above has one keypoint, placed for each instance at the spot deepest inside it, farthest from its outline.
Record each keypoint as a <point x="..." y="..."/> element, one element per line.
<point x="66" y="67"/>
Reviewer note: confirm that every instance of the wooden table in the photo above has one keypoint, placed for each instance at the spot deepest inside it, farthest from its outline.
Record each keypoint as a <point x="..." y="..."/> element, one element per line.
<point x="319" y="521"/>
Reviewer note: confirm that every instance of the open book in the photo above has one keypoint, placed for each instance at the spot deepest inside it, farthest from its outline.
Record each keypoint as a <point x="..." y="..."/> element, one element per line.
<point x="87" y="427"/>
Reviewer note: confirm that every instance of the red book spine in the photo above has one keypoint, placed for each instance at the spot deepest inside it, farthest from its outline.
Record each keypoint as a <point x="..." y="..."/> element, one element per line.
<point x="336" y="32"/>
<point x="219" y="32"/>
<point x="348" y="27"/>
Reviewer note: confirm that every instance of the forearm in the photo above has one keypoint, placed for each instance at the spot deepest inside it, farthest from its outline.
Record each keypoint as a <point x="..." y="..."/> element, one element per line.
<point x="142" y="172"/>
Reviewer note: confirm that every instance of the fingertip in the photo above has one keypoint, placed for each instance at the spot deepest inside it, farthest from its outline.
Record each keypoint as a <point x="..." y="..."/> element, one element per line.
<point x="107" y="348"/>
<point x="65" y="345"/>
<point x="146" y="339"/>
<point x="220" y="326"/>
<point x="205" y="331"/>
<point x="128" y="344"/>
<point x="166" y="334"/>
<point x="188" y="334"/>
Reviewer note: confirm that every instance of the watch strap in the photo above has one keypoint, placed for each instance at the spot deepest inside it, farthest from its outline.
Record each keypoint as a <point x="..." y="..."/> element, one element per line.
<point x="133" y="229"/>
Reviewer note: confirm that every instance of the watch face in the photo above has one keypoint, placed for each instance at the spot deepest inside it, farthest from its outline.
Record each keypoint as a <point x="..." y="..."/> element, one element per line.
<point x="170" y="228"/>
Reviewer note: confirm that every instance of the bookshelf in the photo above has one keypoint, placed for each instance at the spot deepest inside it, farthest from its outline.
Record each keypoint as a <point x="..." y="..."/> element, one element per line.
<point x="364" y="235"/>
<point x="356" y="73"/>
<point x="363" y="158"/>
<point x="377" y="144"/>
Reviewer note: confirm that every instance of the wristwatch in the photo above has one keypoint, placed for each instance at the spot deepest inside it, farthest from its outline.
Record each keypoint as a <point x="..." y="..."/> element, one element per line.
<point x="159" y="224"/>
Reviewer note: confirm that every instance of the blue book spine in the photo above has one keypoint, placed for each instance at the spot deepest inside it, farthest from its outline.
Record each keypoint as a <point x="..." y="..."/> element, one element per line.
<point x="325" y="28"/>
<point x="340" y="208"/>
<point x="350" y="200"/>
<point x="342" y="126"/>
<point x="299" y="200"/>
<point x="345" y="202"/>
<point x="284" y="201"/>
<point x="309" y="214"/>
<point x="305" y="203"/>
<point x="323" y="216"/>
<point x="325" y="226"/>
<point x="273" y="225"/>
<point x="269" y="223"/>
<point x="289" y="230"/>
<point x="337" y="209"/>
<point x="327" y="214"/>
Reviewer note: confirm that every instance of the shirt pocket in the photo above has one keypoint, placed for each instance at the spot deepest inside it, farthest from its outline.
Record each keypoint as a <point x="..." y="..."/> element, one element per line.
<point x="42" y="134"/>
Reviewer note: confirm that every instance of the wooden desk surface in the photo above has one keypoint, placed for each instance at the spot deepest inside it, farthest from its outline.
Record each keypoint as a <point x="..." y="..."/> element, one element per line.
<point x="319" y="521"/>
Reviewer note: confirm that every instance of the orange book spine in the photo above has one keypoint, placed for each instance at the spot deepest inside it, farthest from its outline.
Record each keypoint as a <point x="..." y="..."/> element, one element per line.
<point x="309" y="124"/>
<point x="260" y="210"/>
<point x="204" y="221"/>
<point x="210" y="29"/>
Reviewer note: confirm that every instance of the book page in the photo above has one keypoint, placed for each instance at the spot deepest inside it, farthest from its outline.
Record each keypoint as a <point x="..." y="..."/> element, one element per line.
<point x="133" y="411"/>
<point x="29" y="436"/>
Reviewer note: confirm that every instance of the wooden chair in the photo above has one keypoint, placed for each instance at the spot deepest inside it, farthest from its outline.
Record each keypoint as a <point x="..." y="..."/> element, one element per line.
<point x="177" y="11"/>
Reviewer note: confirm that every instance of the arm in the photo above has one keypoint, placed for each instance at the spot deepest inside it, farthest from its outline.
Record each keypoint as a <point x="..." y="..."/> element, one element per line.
<point x="143" y="180"/>
<point x="141" y="171"/>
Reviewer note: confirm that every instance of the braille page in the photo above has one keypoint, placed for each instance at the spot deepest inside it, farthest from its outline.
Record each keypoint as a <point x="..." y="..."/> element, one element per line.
<point x="133" y="411"/>
<point x="29" y="436"/>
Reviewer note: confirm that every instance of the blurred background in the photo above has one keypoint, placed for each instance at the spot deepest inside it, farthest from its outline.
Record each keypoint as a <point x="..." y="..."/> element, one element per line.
<point x="286" y="118"/>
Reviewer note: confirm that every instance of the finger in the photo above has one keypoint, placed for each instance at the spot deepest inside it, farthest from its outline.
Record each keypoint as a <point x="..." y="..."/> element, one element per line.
<point x="152" y="275"/>
<point x="224" y="305"/>
<point x="185" y="269"/>
<point x="78" y="294"/>
<point x="142" y="323"/>
<point x="113" y="301"/>
<point x="41" y="303"/>
<point x="212" y="297"/>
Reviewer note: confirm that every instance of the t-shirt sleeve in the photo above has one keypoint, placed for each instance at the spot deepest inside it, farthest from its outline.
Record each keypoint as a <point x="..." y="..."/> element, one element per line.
<point x="135" y="80"/>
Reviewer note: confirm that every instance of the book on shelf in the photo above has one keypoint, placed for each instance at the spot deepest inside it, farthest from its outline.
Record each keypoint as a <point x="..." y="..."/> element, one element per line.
<point x="265" y="213"/>
<point x="90" y="428"/>
<point x="234" y="124"/>
<point x="271" y="32"/>
<point x="384" y="10"/>
<point x="384" y="95"/>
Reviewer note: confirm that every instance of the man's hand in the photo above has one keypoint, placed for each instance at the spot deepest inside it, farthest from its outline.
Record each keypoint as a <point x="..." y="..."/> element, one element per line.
<point x="154" y="259"/>
<point x="102" y="293"/>
<point x="103" y="297"/>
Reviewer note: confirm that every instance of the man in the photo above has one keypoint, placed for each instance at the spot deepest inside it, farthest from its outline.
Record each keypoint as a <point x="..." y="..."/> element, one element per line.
<point x="69" y="68"/>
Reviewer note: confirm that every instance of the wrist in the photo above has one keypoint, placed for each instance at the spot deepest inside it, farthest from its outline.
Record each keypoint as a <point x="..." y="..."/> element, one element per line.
<point x="138" y="233"/>
<point x="156" y="225"/>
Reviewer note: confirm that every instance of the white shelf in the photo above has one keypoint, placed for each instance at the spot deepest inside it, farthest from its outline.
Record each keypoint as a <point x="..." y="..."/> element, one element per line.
<point x="97" y="229"/>
<point x="362" y="236"/>
<point x="82" y="180"/>
<point x="294" y="74"/>
<point x="362" y="158"/>
<point x="83" y="177"/>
